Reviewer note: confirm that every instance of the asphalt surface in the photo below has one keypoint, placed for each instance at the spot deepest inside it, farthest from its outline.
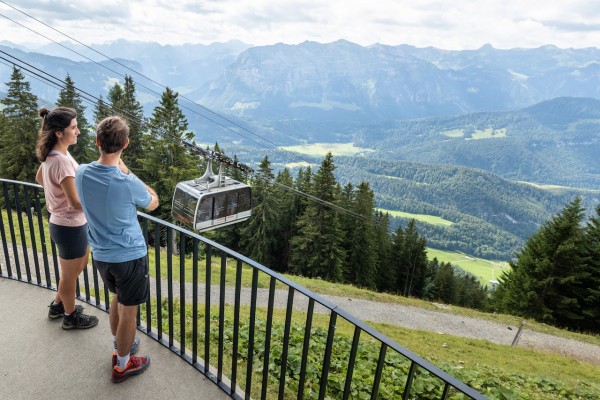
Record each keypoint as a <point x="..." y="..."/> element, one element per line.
<point x="40" y="360"/>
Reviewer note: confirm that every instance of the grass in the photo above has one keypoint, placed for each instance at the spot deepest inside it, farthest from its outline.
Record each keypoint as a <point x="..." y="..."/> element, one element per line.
<point x="430" y="219"/>
<point x="488" y="133"/>
<point x="484" y="270"/>
<point x="495" y="370"/>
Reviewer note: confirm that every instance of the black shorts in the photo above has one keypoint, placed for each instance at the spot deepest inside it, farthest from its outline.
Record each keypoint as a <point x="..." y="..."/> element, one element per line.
<point x="71" y="240"/>
<point x="128" y="279"/>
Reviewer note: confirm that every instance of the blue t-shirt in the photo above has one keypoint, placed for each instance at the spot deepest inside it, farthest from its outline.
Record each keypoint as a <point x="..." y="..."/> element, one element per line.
<point x="109" y="199"/>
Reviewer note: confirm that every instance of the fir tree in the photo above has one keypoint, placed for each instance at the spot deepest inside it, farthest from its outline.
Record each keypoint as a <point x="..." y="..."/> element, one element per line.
<point x="444" y="283"/>
<point x="469" y="292"/>
<point x="124" y="103"/>
<point x="590" y="290"/>
<point x="547" y="275"/>
<point x="287" y="219"/>
<point x="101" y="111"/>
<point x="409" y="258"/>
<point x="85" y="150"/>
<point x="19" y="130"/>
<point x="260" y="233"/>
<point x="384" y="248"/>
<point x="362" y="255"/>
<point x="166" y="162"/>
<point x="316" y="251"/>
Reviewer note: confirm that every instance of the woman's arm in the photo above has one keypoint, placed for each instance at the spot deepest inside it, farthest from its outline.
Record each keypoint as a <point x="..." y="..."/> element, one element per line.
<point x="68" y="186"/>
<point x="39" y="176"/>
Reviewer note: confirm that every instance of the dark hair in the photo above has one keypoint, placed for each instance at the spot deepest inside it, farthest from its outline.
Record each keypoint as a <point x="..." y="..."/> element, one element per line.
<point x="52" y="121"/>
<point x="112" y="134"/>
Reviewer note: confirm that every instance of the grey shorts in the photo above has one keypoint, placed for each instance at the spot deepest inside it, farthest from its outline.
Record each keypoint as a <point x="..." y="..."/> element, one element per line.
<point x="71" y="240"/>
<point x="128" y="279"/>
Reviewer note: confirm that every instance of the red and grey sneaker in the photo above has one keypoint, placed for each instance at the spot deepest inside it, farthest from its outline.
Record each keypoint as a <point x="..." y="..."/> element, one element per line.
<point x="134" y="348"/>
<point x="135" y="366"/>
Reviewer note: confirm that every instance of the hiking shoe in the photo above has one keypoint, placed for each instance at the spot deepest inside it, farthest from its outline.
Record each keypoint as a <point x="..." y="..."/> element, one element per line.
<point x="134" y="348"/>
<point x="57" y="310"/>
<point x="135" y="366"/>
<point x="79" y="320"/>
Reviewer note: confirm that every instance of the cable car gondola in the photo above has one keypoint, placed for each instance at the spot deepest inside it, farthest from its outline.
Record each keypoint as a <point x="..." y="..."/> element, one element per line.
<point x="213" y="200"/>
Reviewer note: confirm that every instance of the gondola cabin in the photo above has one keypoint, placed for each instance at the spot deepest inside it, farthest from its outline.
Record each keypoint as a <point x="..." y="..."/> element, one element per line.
<point x="203" y="208"/>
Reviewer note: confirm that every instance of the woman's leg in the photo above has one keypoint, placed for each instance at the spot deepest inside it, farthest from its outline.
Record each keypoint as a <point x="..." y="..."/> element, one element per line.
<point x="69" y="271"/>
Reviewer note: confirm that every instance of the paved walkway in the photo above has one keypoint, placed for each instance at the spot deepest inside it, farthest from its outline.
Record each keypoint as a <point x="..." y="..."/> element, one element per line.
<point x="40" y="360"/>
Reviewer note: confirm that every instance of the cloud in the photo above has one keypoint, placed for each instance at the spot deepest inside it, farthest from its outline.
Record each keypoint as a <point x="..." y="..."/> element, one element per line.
<point x="444" y="24"/>
<point x="572" y="26"/>
<point x="63" y="11"/>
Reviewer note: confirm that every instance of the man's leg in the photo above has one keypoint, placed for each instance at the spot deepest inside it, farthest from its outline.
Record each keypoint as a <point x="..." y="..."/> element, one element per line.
<point x="113" y="315"/>
<point x="126" y="325"/>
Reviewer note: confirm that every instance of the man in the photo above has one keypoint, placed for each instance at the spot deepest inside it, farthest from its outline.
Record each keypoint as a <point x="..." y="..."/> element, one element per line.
<point x="109" y="194"/>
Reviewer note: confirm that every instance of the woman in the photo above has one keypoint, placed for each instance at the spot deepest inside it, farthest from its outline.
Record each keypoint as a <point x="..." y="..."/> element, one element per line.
<point x="68" y="226"/>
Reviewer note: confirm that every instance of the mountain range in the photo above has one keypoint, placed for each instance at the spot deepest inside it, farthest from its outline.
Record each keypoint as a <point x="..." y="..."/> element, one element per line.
<point x="485" y="115"/>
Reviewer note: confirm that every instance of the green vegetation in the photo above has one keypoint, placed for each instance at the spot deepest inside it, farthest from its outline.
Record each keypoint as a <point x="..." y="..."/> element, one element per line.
<point x="498" y="371"/>
<point x="555" y="278"/>
<point x="484" y="270"/>
<point x="430" y="219"/>
<point x="488" y="133"/>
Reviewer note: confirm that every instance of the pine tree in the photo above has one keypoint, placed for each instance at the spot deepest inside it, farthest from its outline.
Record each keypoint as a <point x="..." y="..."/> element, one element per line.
<point x="316" y="251"/>
<point x="287" y="219"/>
<point x="124" y="103"/>
<point x="165" y="161"/>
<point x="409" y="257"/>
<point x="547" y="275"/>
<point x="590" y="290"/>
<point x="19" y="130"/>
<point x="384" y="248"/>
<point x="362" y="256"/>
<point x="398" y="265"/>
<point x="304" y="184"/>
<point x="347" y="202"/>
<point x="101" y="111"/>
<point x="444" y="283"/>
<point x="85" y="150"/>
<point x="259" y="235"/>
<point x="469" y="292"/>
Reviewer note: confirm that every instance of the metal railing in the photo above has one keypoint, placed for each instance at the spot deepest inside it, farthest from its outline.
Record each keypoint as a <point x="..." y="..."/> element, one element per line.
<point x="252" y="331"/>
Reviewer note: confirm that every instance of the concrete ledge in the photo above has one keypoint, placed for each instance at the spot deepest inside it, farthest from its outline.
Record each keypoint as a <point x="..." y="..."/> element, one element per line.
<point x="40" y="360"/>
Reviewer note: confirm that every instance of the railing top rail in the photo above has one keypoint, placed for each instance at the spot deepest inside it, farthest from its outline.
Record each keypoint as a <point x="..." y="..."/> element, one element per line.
<point x="21" y="183"/>
<point x="461" y="386"/>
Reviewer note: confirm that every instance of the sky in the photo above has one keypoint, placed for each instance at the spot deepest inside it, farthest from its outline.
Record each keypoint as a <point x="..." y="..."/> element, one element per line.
<point x="444" y="24"/>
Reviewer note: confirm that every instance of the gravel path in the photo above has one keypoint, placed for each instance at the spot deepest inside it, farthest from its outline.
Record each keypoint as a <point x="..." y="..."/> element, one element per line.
<point x="427" y="320"/>
<point x="400" y="315"/>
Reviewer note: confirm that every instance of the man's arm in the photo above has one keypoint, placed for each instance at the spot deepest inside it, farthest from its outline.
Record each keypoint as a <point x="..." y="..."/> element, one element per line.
<point x="154" y="202"/>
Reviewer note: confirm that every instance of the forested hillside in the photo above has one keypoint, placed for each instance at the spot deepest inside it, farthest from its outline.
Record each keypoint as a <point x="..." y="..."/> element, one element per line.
<point x="520" y="145"/>
<point x="490" y="216"/>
